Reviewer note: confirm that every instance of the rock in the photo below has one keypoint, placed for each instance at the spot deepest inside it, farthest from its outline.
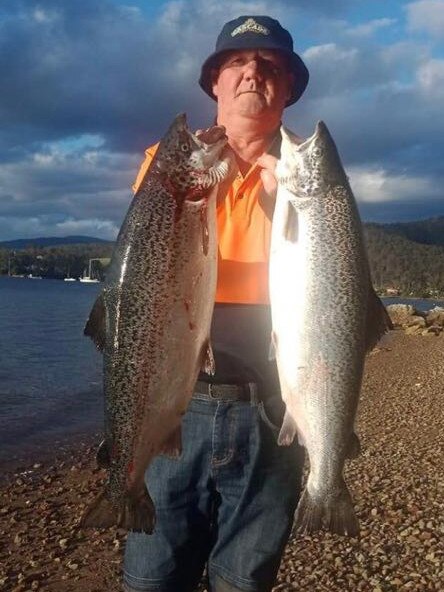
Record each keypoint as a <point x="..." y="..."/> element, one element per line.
<point x="73" y="566"/>
<point x="400" y="314"/>
<point x="414" y="330"/>
<point x="435" y="317"/>
<point x="416" y="321"/>
<point x="63" y="543"/>
<point x="431" y="331"/>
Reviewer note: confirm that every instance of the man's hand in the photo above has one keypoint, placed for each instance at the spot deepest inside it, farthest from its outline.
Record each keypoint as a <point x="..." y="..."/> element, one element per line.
<point x="268" y="164"/>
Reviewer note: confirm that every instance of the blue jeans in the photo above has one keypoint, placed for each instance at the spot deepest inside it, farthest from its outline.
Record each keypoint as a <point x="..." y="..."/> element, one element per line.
<point x="227" y="502"/>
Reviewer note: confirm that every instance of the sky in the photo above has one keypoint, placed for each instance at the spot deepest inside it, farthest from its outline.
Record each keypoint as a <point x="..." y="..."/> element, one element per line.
<point x="87" y="85"/>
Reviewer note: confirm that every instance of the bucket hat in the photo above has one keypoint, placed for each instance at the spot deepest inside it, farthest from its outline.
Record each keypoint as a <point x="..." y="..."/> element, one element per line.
<point x="256" y="32"/>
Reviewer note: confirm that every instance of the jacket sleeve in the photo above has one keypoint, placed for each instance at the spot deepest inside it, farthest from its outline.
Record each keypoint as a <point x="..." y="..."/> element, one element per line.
<point x="149" y="155"/>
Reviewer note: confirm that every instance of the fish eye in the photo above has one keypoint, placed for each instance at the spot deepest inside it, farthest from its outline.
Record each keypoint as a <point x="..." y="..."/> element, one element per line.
<point x="185" y="147"/>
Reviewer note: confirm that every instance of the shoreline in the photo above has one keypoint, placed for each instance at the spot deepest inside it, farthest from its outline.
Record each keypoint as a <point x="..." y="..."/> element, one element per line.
<point x="434" y="299"/>
<point x="48" y="452"/>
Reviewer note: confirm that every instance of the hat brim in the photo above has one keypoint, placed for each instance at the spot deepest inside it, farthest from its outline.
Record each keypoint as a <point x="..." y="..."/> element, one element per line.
<point x="296" y="65"/>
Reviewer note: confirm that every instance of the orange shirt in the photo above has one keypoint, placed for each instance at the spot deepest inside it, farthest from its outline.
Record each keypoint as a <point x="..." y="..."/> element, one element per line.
<point x="244" y="216"/>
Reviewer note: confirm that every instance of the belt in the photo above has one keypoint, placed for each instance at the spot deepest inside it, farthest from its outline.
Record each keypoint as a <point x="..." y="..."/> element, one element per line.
<point x="227" y="392"/>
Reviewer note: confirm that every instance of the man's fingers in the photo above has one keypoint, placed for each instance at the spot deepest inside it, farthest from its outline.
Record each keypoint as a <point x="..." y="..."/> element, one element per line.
<point x="270" y="183"/>
<point x="267" y="161"/>
<point x="268" y="164"/>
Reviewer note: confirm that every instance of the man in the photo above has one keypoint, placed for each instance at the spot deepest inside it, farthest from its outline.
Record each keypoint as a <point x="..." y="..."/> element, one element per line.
<point x="228" y="501"/>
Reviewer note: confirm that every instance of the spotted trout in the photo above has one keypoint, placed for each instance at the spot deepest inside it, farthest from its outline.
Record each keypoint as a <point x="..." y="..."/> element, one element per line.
<point x="152" y="320"/>
<point x="325" y="317"/>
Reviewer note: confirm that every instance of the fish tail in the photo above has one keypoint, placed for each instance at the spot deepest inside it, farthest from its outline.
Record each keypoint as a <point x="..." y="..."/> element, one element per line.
<point x="101" y="513"/>
<point x="135" y="512"/>
<point x="336" y="515"/>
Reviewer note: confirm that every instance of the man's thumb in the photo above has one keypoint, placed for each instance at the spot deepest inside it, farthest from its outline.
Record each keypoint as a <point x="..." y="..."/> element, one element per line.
<point x="269" y="182"/>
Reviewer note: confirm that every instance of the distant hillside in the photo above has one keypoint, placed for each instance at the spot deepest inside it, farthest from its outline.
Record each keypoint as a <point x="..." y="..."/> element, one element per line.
<point x="414" y="269"/>
<point x="414" y="265"/>
<point x="427" y="232"/>
<point x="51" y="241"/>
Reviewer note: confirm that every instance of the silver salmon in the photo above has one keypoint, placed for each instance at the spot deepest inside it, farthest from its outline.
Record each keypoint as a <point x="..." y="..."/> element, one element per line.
<point x="325" y="317"/>
<point x="152" y="320"/>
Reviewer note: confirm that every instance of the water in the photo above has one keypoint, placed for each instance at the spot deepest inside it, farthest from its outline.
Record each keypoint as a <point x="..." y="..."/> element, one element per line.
<point x="50" y="374"/>
<point x="421" y="305"/>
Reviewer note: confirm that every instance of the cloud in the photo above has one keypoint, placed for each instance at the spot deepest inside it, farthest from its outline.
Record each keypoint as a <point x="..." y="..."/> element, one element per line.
<point x="55" y="190"/>
<point x="369" y="28"/>
<point x="379" y="185"/>
<point x="431" y="79"/>
<point x="94" y="227"/>
<point x="426" y="16"/>
<point x="91" y="83"/>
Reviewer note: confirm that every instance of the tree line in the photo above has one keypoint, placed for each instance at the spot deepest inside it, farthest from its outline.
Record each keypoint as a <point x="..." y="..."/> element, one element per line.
<point x="56" y="262"/>
<point x="410" y="268"/>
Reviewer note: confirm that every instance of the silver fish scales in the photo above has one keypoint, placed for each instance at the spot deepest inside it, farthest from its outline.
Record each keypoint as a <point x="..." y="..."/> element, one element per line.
<point x="325" y="317"/>
<point x="152" y="320"/>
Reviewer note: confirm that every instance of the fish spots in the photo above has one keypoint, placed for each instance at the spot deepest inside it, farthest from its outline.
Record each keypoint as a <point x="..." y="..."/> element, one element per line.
<point x="187" y="305"/>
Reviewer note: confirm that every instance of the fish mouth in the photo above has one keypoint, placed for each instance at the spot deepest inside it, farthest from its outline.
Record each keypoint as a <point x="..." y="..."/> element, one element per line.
<point x="320" y="130"/>
<point x="211" y="148"/>
<point x="212" y="162"/>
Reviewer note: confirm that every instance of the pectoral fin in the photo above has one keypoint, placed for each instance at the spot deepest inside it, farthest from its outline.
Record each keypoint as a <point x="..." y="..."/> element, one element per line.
<point x="103" y="456"/>
<point x="172" y="447"/>
<point x="96" y="324"/>
<point x="273" y="347"/>
<point x="208" y="364"/>
<point x="378" y="320"/>
<point x="288" y="430"/>
<point x="291" y="228"/>
<point x="354" y="446"/>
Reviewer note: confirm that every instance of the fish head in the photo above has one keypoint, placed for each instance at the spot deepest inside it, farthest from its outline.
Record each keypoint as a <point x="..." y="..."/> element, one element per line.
<point x="188" y="163"/>
<point x="309" y="168"/>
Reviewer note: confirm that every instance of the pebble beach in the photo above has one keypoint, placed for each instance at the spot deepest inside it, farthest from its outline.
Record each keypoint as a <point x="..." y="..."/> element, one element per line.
<point x="397" y="484"/>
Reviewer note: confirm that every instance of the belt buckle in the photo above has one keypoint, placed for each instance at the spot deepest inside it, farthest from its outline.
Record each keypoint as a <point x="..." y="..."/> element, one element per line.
<point x="210" y="392"/>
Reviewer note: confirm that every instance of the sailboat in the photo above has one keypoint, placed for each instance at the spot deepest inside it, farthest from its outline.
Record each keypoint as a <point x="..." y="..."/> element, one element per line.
<point x="88" y="279"/>
<point x="69" y="278"/>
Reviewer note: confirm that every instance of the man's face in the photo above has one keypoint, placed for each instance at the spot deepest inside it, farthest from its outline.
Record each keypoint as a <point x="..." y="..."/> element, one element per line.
<point x="254" y="83"/>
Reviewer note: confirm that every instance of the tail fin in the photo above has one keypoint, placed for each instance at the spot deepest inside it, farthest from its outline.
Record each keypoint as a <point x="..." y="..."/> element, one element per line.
<point x="337" y="515"/>
<point x="136" y="512"/>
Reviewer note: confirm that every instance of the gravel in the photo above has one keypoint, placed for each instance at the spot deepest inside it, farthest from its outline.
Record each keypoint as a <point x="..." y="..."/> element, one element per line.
<point x="397" y="484"/>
